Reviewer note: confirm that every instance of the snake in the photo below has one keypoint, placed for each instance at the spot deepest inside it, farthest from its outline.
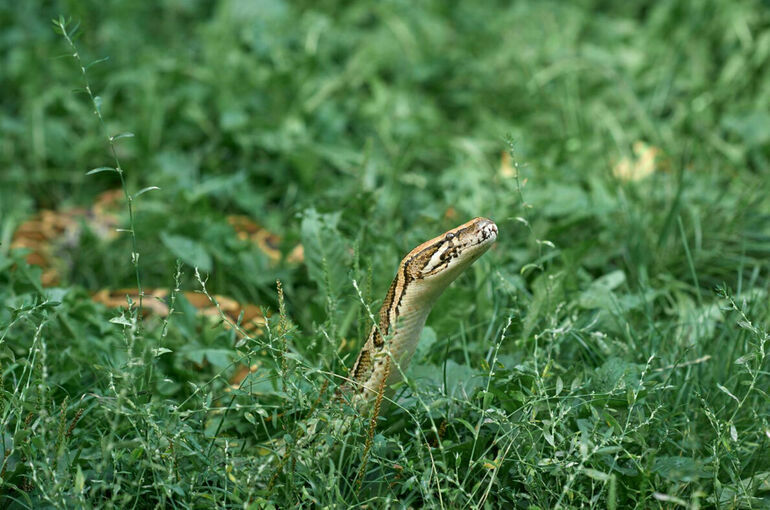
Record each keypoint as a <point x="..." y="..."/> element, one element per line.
<point x="422" y="276"/>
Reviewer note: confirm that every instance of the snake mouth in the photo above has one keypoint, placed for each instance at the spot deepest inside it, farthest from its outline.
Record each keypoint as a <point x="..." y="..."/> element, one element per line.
<point x="483" y="231"/>
<point x="488" y="229"/>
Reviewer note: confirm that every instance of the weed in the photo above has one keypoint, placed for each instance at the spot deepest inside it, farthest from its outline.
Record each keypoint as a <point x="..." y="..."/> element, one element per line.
<point x="610" y="351"/>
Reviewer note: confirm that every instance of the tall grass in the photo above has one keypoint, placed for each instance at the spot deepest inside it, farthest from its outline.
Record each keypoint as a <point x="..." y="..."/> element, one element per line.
<point x="610" y="351"/>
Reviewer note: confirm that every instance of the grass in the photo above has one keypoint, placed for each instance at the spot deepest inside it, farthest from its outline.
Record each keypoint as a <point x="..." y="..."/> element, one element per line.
<point x="610" y="351"/>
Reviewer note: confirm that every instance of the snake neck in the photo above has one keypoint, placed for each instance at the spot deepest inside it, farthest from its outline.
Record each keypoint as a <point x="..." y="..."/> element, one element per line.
<point x="391" y="343"/>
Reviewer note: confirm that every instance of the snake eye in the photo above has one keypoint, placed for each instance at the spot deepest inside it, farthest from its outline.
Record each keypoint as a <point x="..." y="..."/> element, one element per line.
<point x="450" y="236"/>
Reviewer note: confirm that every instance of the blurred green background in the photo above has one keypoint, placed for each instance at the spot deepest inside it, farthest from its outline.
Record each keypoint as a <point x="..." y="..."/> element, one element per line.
<point x="389" y="114"/>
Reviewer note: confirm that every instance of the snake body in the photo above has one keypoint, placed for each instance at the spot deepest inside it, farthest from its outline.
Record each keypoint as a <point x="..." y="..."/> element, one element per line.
<point x="422" y="277"/>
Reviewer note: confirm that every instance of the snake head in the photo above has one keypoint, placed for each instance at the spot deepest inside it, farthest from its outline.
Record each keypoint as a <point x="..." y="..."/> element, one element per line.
<point x="443" y="258"/>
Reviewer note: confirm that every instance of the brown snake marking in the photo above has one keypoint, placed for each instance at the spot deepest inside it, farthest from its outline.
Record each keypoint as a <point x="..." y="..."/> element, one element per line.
<point x="421" y="278"/>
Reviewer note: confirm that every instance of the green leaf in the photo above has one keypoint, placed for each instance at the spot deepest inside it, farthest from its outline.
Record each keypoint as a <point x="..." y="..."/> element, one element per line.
<point x="145" y="190"/>
<point x="461" y="379"/>
<point x="679" y="469"/>
<point x="101" y="169"/>
<point x="596" y="475"/>
<point x="615" y="375"/>
<point x="325" y="252"/>
<point x="122" y="135"/>
<point x="191" y="252"/>
<point x="467" y="425"/>
<point x="80" y="480"/>
<point x="599" y="294"/>
<point x="160" y="351"/>
<point x="753" y="128"/>
<point x="725" y="390"/>
<point x="758" y="483"/>
<point x="424" y="345"/>
<point x="122" y="321"/>
<point x="220" y="358"/>
<point x="97" y="61"/>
